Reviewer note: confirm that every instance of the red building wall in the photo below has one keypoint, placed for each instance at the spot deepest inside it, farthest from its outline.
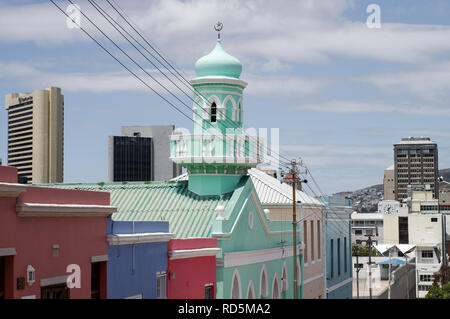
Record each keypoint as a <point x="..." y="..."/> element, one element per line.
<point x="187" y="277"/>
<point x="79" y="238"/>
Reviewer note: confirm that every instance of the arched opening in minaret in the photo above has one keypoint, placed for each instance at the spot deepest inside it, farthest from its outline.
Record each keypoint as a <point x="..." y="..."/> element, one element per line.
<point x="213" y="112"/>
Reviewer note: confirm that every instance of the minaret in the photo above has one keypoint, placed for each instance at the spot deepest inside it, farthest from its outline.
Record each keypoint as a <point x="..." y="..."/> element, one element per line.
<point x="218" y="153"/>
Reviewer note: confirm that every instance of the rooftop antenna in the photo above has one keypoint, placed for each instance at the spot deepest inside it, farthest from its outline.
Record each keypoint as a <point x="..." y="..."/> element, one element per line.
<point x="218" y="27"/>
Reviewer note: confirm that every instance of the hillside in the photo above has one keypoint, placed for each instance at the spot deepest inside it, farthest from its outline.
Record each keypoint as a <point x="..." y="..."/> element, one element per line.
<point x="366" y="199"/>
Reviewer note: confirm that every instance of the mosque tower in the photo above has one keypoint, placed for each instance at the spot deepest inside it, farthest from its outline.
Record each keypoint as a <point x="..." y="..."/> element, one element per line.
<point x="218" y="153"/>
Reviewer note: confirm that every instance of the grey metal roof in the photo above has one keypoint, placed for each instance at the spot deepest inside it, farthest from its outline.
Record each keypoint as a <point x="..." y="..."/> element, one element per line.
<point x="270" y="190"/>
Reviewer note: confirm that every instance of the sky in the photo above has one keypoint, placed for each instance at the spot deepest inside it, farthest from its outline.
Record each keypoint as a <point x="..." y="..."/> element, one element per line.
<point x="339" y="91"/>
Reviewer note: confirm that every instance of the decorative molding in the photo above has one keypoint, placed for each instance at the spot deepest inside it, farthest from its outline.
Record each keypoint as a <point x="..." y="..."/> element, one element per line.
<point x="62" y="210"/>
<point x="248" y="257"/>
<point x="11" y="189"/>
<point x="192" y="253"/>
<point x="99" y="258"/>
<point x="312" y="279"/>
<point x="218" y="80"/>
<point x="221" y="92"/>
<point x="339" y="285"/>
<point x="11" y="251"/>
<point x="262" y="217"/>
<point x="128" y="239"/>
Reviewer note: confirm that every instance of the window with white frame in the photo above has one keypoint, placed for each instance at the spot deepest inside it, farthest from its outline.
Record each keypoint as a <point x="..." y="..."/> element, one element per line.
<point x="428" y="278"/>
<point x="161" y="285"/>
<point x="427" y="254"/>
<point x="423" y="287"/>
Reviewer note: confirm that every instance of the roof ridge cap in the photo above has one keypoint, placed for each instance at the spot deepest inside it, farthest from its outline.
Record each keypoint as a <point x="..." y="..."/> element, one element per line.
<point x="270" y="183"/>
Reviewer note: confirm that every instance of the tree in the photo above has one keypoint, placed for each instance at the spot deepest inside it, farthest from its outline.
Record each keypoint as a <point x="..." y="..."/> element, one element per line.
<point x="437" y="292"/>
<point x="441" y="286"/>
<point x="442" y="277"/>
<point x="363" y="251"/>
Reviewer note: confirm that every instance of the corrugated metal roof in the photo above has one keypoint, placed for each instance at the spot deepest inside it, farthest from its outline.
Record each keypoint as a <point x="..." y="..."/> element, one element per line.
<point x="270" y="190"/>
<point x="189" y="214"/>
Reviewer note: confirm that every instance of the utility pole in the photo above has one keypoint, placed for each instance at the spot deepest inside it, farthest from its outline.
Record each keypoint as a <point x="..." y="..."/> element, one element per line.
<point x="357" y="270"/>
<point x="294" y="227"/>
<point x="389" y="289"/>
<point x="294" y="176"/>
<point x="369" y="242"/>
<point x="444" y="225"/>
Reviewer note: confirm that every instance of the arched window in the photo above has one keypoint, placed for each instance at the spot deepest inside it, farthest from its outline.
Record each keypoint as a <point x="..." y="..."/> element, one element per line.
<point x="284" y="279"/>
<point x="275" y="288"/>
<point x="236" y="286"/>
<point x="251" y="291"/>
<point x="264" y="291"/>
<point x="213" y="112"/>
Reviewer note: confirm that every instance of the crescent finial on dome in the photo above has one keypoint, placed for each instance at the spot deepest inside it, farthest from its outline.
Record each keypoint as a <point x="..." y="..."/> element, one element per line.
<point x="218" y="62"/>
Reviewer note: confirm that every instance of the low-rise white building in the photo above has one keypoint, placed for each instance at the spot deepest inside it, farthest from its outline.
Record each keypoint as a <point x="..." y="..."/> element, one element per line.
<point x="415" y="223"/>
<point x="364" y="224"/>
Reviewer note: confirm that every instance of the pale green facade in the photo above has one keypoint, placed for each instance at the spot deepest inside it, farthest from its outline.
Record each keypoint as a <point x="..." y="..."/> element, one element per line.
<point x="254" y="245"/>
<point x="257" y="254"/>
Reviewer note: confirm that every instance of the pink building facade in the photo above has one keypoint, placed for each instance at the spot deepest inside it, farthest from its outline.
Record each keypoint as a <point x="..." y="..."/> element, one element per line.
<point x="49" y="237"/>
<point x="192" y="268"/>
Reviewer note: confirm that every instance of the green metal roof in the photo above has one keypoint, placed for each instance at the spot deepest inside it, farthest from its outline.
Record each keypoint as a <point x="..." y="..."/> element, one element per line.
<point x="218" y="63"/>
<point x="188" y="214"/>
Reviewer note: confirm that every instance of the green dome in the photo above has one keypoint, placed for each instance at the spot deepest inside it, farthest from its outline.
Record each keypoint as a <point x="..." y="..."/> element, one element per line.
<point x="218" y="63"/>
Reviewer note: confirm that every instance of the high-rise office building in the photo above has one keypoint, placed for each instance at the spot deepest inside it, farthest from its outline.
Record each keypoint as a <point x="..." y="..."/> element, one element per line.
<point x="36" y="135"/>
<point x="142" y="154"/>
<point x="415" y="163"/>
<point x="131" y="158"/>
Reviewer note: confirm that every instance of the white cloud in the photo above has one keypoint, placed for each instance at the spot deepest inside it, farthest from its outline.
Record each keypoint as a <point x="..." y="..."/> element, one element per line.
<point x="303" y="31"/>
<point x="125" y="81"/>
<point x="430" y="82"/>
<point x="338" y="149"/>
<point x="345" y="166"/>
<point x="355" y="107"/>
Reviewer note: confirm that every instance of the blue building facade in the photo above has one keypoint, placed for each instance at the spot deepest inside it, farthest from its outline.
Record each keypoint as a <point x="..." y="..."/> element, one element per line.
<point x="338" y="247"/>
<point x="137" y="259"/>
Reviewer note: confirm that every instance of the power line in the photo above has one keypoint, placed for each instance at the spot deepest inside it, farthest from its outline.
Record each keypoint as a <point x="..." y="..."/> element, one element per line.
<point x="137" y="64"/>
<point x="115" y="58"/>
<point x="334" y="226"/>
<point x="185" y="81"/>
<point x="102" y="11"/>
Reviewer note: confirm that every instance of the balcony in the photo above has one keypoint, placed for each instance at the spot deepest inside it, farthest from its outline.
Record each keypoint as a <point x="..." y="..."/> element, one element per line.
<point x="216" y="149"/>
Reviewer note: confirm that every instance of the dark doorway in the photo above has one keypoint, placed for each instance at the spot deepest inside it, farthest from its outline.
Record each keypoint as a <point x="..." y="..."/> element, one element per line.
<point x="55" y="292"/>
